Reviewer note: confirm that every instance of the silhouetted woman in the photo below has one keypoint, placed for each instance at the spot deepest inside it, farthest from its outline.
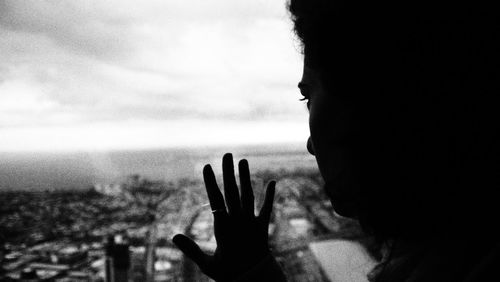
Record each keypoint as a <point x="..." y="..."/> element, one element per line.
<point x="403" y="118"/>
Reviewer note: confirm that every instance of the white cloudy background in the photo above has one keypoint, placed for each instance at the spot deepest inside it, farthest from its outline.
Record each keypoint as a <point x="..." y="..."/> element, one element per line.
<point x="115" y="74"/>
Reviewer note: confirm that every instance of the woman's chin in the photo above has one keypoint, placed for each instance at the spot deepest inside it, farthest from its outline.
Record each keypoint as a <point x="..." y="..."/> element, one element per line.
<point x="343" y="202"/>
<point x="345" y="209"/>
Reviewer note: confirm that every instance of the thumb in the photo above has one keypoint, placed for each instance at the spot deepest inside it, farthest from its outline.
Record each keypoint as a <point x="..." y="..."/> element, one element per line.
<point x="190" y="249"/>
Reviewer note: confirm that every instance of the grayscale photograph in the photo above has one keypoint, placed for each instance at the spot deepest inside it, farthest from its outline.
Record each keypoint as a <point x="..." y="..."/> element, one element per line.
<point x="249" y="141"/>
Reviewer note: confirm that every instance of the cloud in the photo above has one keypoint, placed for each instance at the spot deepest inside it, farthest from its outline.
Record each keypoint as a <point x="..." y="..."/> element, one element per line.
<point x="65" y="63"/>
<point x="143" y="135"/>
<point x="69" y="24"/>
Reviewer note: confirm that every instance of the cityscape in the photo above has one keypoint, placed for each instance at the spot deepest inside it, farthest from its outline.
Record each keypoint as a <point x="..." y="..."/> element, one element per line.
<point x="122" y="231"/>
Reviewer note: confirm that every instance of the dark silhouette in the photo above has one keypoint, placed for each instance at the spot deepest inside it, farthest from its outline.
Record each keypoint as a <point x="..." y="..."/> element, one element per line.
<point x="242" y="237"/>
<point x="404" y="127"/>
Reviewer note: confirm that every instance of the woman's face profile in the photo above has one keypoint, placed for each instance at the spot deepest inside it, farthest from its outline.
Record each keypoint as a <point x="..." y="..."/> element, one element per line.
<point x="331" y="127"/>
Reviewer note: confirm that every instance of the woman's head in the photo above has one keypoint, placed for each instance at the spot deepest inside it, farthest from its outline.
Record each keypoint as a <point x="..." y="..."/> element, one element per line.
<point x="402" y="112"/>
<point x="333" y="133"/>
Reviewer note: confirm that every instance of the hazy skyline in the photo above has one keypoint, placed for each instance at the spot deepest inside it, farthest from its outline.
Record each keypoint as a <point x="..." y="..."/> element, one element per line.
<point x="98" y="75"/>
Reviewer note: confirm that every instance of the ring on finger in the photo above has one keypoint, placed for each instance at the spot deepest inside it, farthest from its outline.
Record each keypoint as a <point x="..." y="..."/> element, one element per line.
<point x="218" y="210"/>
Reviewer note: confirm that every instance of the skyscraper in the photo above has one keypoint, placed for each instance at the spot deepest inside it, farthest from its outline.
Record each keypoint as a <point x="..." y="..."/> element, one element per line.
<point x="117" y="261"/>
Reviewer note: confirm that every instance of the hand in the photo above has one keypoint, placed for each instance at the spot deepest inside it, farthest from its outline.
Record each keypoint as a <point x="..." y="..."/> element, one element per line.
<point x="242" y="237"/>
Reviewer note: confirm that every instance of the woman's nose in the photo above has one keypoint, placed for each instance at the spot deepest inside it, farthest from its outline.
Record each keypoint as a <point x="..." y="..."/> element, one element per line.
<point x="310" y="148"/>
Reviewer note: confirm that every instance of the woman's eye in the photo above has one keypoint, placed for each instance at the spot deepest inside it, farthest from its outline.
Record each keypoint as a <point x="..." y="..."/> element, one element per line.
<point x="304" y="91"/>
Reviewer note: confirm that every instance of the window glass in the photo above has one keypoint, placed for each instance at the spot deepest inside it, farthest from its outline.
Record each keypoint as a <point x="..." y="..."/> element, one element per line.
<point x="110" y="109"/>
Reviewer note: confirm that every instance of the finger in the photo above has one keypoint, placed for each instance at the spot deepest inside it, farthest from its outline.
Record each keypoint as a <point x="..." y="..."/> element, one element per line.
<point x="214" y="195"/>
<point x="230" y="187"/>
<point x="191" y="250"/>
<point x="247" y="198"/>
<point x="216" y="202"/>
<point x="267" y="207"/>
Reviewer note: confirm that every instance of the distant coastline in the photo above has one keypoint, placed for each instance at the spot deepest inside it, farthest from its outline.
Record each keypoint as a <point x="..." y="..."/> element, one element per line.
<point x="82" y="170"/>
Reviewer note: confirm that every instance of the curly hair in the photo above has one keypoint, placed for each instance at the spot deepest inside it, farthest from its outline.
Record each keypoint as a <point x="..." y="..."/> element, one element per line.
<point x="424" y="79"/>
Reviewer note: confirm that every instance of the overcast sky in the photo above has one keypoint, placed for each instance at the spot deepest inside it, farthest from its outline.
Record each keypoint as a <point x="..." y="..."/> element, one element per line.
<point x="122" y="74"/>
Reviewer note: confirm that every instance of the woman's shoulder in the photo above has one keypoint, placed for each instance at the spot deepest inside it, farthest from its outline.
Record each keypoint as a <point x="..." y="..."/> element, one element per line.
<point x="487" y="269"/>
<point x="465" y="261"/>
<point x="444" y="260"/>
